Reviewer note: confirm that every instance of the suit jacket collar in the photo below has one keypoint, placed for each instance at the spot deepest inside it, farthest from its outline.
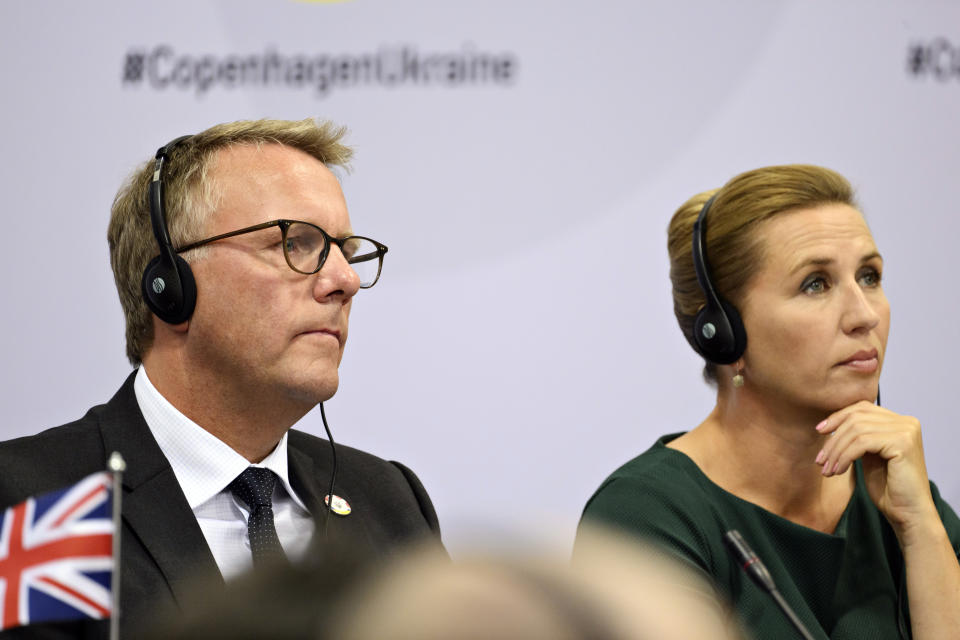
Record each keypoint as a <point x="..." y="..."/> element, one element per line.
<point x="303" y="472"/>
<point x="154" y="507"/>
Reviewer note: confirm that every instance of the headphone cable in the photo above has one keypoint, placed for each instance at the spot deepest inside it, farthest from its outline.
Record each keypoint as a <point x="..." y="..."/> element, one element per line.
<point x="333" y="474"/>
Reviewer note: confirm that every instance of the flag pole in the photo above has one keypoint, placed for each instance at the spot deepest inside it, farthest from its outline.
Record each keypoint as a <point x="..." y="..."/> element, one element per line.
<point x="116" y="465"/>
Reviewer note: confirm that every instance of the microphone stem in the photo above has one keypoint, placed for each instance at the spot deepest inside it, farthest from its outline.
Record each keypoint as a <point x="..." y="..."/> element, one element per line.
<point x="794" y="620"/>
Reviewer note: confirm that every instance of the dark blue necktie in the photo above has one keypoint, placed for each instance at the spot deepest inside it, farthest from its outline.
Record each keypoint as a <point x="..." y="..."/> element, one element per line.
<point x="254" y="487"/>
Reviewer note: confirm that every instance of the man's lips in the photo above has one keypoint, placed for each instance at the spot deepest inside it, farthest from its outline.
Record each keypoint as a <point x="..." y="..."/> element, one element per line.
<point x="864" y="360"/>
<point x="333" y="333"/>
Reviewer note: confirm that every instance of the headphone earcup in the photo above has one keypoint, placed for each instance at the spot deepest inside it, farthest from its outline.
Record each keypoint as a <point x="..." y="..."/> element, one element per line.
<point x="719" y="333"/>
<point x="171" y="294"/>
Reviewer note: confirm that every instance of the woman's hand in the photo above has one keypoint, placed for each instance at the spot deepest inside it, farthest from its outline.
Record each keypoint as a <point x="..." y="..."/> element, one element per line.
<point x="891" y="448"/>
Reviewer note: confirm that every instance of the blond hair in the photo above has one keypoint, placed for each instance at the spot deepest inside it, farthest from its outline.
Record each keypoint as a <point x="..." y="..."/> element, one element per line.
<point x="734" y="251"/>
<point x="191" y="195"/>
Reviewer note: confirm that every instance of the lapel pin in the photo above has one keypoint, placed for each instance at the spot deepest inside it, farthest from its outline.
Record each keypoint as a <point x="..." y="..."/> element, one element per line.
<point x="340" y="506"/>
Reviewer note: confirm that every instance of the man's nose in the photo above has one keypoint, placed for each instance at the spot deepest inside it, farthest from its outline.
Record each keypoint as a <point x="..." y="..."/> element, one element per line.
<point x="336" y="277"/>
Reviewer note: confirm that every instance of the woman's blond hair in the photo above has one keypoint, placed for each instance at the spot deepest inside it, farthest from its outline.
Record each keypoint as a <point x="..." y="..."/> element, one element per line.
<point x="734" y="251"/>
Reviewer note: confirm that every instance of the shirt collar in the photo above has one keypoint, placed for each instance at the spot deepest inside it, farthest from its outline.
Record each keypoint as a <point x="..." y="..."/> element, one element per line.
<point x="203" y="464"/>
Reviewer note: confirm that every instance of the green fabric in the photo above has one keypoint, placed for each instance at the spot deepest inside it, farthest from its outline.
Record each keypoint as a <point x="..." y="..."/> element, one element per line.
<point x="842" y="586"/>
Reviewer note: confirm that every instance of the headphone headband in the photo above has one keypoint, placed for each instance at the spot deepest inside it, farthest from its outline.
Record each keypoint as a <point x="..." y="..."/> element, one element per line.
<point x="168" y="286"/>
<point x="700" y="264"/>
<point x="718" y="332"/>
<point x="157" y="201"/>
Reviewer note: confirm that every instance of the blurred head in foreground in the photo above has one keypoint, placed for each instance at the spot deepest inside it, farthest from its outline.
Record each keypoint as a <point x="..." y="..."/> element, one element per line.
<point x="614" y="590"/>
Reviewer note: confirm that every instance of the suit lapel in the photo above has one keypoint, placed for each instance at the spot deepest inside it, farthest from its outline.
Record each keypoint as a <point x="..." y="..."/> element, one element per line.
<point x="154" y="507"/>
<point x="303" y="478"/>
<point x="310" y="477"/>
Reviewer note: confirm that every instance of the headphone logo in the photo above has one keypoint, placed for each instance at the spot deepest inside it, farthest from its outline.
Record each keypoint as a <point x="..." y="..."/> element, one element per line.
<point x="159" y="285"/>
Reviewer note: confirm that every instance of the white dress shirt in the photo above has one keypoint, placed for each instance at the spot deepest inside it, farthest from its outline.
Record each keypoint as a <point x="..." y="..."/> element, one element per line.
<point x="204" y="466"/>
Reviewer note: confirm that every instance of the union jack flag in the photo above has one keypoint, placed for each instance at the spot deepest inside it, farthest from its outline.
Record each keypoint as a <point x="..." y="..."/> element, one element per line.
<point x="55" y="555"/>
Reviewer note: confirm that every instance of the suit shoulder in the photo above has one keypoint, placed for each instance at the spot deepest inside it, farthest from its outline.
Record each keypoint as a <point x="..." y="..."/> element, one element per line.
<point x="79" y="434"/>
<point x="315" y="445"/>
<point x="356" y="466"/>
<point x="386" y="487"/>
<point x="51" y="459"/>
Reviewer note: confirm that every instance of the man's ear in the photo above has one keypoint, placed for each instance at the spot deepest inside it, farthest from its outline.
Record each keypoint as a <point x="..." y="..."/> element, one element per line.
<point x="180" y="328"/>
<point x="160" y="326"/>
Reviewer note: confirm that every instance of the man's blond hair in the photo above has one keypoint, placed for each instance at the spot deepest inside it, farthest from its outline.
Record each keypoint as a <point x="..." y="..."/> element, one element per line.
<point x="191" y="195"/>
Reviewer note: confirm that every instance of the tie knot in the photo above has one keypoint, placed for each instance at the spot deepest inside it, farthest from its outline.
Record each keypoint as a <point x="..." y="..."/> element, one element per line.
<point x="254" y="486"/>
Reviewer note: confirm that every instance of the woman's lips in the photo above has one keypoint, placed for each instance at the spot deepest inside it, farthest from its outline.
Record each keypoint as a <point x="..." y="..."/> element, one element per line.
<point x="865" y="361"/>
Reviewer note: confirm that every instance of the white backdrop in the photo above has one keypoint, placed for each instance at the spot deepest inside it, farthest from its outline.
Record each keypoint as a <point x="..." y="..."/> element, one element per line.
<point x="520" y="344"/>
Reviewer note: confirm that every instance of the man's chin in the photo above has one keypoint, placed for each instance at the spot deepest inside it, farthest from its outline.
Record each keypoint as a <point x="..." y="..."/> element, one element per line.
<point x="310" y="393"/>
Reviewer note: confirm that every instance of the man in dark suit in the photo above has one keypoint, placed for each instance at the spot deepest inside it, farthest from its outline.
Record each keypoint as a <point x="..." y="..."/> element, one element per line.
<point x="236" y="331"/>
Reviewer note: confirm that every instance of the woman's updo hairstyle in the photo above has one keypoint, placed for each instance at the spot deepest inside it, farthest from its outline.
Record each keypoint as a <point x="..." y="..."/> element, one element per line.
<point x="733" y="249"/>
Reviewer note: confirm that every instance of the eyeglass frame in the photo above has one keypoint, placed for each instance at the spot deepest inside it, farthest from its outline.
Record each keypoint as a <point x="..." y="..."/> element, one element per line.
<point x="284" y="225"/>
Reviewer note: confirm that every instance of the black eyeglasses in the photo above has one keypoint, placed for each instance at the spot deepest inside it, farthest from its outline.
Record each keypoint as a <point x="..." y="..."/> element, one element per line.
<point x="306" y="246"/>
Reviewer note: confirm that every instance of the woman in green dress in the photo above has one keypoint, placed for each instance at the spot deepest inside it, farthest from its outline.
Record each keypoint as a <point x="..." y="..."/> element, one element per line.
<point x="829" y="488"/>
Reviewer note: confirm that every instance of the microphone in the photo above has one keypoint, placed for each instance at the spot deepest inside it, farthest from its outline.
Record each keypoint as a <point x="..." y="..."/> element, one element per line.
<point x="750" y="563"/>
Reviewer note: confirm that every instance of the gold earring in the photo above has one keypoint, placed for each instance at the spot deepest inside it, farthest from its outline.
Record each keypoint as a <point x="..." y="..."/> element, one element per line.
<point x="738" y="376"/>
